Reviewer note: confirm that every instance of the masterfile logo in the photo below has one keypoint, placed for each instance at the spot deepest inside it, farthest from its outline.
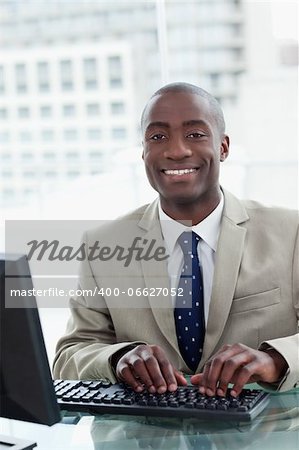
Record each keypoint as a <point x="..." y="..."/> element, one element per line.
<point x="141" y="249"/>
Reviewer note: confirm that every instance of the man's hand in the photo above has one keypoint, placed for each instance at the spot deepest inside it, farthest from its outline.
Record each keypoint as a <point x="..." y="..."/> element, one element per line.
<point x="239" y="364"/>
<point x="147" y="366"/>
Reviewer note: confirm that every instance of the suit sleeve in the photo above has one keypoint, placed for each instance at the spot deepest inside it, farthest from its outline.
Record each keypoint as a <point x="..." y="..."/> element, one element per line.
<point x="288" y="346"/>
<point x="86" y="350"/>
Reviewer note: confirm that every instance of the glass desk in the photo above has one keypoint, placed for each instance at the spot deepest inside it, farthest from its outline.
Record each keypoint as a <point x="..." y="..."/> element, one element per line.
<point x="276" y="428"/>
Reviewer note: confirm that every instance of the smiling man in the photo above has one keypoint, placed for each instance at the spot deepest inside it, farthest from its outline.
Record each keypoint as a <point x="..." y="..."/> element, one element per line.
<point x="184" y="142"/>
<point x="232" y="264"/>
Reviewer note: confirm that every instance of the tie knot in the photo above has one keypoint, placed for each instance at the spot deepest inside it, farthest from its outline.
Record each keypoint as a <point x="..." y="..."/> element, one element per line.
<point x="188" y="242"/>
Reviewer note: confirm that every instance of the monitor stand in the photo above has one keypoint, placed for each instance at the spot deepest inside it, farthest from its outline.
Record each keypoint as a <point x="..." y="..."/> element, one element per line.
<point x="11" y="443"/>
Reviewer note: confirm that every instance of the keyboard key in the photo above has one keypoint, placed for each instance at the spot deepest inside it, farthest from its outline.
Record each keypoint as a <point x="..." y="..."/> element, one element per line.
<point x="189" y="405"/>
<point x="200" y="405"/>
<point x="128" y="401"/>
<point x="173" y="404"/>
<point x="163" y="403"/>
<point x="242" y="408"/>
<point x="211" y="406"/>
<point x="222" y="406"/>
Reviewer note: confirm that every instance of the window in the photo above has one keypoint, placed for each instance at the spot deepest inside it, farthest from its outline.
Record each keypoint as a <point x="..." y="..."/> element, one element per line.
<point x="70" y="135"/>
<point x="214" y="80"/>
<point x="237" y="54"/>
<point x="90" y="73"/>
<point x="96" y="155"/>
<point x="93" y="109"/>
<point x="117" y="108"/>
<point x="47" y="135"/>
<point x="73" y="173"/>
<point x="25" y="136"/>
<point x="2" y="86"/>
<point x="72" y="155"/>
<point x="4" y="136"/>
<point x="7" y="174"/>
<point x="43" y="76"/>
<point x="21" y="78"/>
<point x="27" y="156"/>
<point x="119" y="133"/>
<point x="96" y="162"/>
<point x="29" y="191"/>
<point x="23" y="112"/>
<point x="29" y="174"/>
<point x="5" y="156"/>
<point x="66" y="74"/>
<point x="3" y="113"/>
<point x="46" y="111"/>
<point x="69" y="110"/>
<point x="115" y="71"/>
<point x="49" y="155"/>
<point x="95" y="171"/>
<point x="94" y="134"/>
<point x="8" y="193"/>
<point x="50" y="174"/>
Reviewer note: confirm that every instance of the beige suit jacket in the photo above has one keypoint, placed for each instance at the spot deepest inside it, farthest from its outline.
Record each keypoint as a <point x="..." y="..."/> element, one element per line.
<point x="255" y="295"/>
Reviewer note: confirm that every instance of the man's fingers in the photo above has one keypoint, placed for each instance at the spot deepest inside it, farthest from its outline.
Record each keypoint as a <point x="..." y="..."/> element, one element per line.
<point x="155" y="372"/>
<point x="132" y="369"/>
<point x="126" y="375"/>
<point x="221" y="368"/>
<point x="232" y="369"/>
<point x="239" y="364"/>
<point x="150" y="366"/>
<point x="171" y="377"/>
<point x="212" y="369"/>
<point x="247" y="374"/>
<point x="196" y="379"/>
<point x="181" y="380"/>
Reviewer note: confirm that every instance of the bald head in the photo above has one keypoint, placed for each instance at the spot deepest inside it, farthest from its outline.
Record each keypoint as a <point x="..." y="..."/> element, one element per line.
<point x="181" y="87"/>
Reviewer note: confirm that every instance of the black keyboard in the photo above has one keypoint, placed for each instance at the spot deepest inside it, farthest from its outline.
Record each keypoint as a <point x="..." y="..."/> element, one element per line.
<point x="102" y="397"/>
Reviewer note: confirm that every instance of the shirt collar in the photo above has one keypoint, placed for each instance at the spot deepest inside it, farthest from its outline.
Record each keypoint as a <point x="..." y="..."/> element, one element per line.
<point x="208" y="229"/>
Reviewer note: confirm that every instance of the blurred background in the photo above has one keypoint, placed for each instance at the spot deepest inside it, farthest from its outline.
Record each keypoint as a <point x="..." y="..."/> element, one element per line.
<point x="76" y="74"/>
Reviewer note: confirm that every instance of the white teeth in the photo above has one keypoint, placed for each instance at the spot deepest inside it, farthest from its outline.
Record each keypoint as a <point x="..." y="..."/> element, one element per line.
<point x="179" y="172"/>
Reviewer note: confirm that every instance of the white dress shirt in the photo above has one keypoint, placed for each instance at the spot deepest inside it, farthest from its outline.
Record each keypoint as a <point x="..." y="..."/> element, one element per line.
<point x="208" y="230"/>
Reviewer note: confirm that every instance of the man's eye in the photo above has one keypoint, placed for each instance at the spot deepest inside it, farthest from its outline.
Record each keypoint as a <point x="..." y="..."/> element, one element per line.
<point x="195" y="135"/>
<point x="157" y="137"/>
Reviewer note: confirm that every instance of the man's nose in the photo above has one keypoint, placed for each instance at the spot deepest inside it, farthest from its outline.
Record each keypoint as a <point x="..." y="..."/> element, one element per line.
<point x="177" y="149"/>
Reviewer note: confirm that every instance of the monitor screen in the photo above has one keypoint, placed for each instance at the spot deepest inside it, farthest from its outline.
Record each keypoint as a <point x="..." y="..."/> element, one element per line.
<point x="26" y="388"/>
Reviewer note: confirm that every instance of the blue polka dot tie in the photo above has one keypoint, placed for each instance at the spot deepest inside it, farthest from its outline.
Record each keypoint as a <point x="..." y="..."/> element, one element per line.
<point x="189" y="308"/>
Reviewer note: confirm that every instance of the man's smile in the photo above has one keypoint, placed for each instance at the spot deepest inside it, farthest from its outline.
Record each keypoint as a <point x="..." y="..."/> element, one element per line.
<point x="180" y="172"/>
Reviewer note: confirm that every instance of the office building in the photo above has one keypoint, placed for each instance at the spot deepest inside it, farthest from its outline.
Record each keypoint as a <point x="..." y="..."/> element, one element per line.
<point x="61" y="109"/>
<point x="74" y="77"/>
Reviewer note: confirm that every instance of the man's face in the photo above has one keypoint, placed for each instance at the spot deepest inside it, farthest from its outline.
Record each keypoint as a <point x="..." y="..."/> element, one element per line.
<point x="182" y="148"/>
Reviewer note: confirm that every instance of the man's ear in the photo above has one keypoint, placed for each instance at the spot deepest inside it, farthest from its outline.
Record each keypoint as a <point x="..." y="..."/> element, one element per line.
<point x="142" y="154"/>
<point x="224" y="149"/>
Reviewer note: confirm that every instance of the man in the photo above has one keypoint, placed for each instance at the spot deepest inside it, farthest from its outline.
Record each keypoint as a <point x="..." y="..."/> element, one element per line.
<point x="247" y="315"/>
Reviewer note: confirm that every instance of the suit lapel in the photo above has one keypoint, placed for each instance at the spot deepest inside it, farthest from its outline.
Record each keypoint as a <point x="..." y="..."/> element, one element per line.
<point x="156" y="276"/>
<point x="228" y="259"/>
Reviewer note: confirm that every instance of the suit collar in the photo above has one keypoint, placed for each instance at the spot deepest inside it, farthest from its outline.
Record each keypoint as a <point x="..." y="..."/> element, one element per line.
<point x="233" y="210"/>
<point x="150" y="216"/>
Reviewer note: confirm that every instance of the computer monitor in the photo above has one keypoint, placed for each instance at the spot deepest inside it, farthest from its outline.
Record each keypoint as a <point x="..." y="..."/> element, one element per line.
<point x="26" y="387"/>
